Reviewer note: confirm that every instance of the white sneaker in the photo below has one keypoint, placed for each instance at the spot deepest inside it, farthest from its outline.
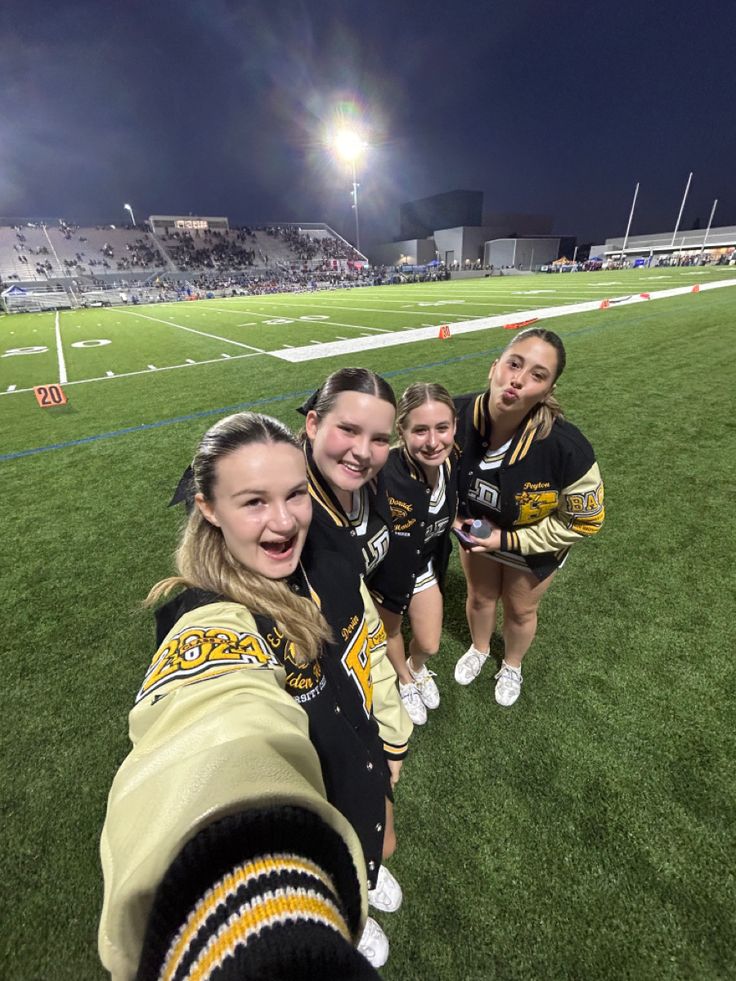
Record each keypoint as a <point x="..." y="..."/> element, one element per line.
<point x="428" y="690"/>
<point x="469" y="666"/>
<point x="413" y="703"/>
<point x="508" y="684"/>
<point x="387" y="896"/>
<point x="373" y="944"/>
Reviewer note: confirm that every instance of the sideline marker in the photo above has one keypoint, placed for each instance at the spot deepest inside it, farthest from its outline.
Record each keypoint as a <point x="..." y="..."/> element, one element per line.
<point x="695" y="289"/>
<point x="605" y="305"/>
<point x="521" y="323"/>
<point x="48" y="395"/>
<point x="644" y="296"/>
<point x="444" y="333"/>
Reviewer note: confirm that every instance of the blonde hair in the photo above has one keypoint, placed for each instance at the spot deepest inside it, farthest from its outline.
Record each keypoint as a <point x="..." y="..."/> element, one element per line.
<point x="203" y="560"/>
<point x="549" y="409"/>
<point x="418" y="394"/>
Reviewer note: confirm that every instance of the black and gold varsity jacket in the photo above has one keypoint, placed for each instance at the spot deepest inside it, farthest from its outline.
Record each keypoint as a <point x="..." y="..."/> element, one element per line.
<point x="392" y="585"/>
<point x="356" y="720"/>
<point x="546" y="495"/>
<point x="366" y="545"/>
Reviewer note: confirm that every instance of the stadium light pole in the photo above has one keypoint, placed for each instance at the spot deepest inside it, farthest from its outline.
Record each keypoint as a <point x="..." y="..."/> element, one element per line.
<point x="710" y="222"/>
<point x="682" y="208"/>
<point x="628" y="227"/>
<point x="132" y="216"/>
<point x="349" y="145"/>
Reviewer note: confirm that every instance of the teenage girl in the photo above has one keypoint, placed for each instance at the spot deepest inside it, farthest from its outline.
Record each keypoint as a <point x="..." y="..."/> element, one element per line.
<point x="421" y="479"/>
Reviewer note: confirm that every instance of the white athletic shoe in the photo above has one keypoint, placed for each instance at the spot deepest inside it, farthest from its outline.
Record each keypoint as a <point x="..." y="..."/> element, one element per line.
<point x="387" y="896"/>
<point x="428" y="690"/>
<point x="469" y="666"/>
<point x="413" y="703"/>
<point x="373" y="944"/>
<point x="508" y="684"/>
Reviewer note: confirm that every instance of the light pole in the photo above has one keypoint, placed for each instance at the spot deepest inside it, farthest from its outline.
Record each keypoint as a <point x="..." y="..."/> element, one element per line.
<point x="349" y="145"/>
<point x="682" y="206"/>
<point x="130" y="210"/>
<point x="631" y="215"/>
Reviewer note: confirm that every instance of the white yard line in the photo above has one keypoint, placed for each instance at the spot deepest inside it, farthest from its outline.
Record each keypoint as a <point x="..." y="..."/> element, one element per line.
<point x="370" y="342"/>
<point x="337" y="348"/>
<point x="60" y="353"/>
<point x="202" y="333"/>
<point x="130" y="374"/>
<point x="296" y="320"/>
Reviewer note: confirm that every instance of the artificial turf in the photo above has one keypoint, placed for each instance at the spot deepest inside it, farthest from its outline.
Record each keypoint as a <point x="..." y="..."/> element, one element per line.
<point x="586" y="833"/>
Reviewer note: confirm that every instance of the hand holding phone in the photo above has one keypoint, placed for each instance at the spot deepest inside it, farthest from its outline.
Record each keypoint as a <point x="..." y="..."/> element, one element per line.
<point x="465" y="540"/>
<point x="468" y="533"/>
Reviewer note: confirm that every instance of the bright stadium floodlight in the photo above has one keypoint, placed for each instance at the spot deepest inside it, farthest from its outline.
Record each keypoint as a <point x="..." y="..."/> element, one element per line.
<point x="348" y="146"/>
<point x="130" y="210"/>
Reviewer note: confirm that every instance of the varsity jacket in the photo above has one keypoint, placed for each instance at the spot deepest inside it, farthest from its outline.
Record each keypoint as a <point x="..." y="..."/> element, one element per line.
<point x="332" y="527"/>
<point x="214" y="733"/>
<point x="356" y="719"/>
<point x="549" y="494"/>
<point x="392" y="585"/>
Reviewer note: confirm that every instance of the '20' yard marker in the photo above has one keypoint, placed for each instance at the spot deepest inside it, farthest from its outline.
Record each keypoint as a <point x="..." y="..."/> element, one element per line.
<point x="48" y="395"/>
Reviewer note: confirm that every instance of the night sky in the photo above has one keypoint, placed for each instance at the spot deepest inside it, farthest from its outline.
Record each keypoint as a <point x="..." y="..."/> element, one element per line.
<point x="220" y="107"/>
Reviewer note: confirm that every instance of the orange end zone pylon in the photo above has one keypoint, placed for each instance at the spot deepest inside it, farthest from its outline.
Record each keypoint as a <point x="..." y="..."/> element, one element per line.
<point x="644" y="296"/>
<point x="47" y="395"/>
<point x="695" y="289"/>
<point x="444" y="333"/>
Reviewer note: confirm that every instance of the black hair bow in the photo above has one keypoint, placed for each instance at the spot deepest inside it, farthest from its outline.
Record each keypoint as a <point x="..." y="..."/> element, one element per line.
<point x="185" y="490"/>
<point x="307" y="406"/>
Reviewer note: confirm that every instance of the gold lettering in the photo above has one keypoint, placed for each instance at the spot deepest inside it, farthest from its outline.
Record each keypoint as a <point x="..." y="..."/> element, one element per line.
<point x="346" y="631"/>
<point x="275" y="637"/>
<point x="395" y="502"/>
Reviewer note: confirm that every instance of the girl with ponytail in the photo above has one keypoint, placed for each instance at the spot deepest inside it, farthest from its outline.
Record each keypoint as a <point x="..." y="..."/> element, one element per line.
<point x="533" y="479"/>
<point x="248" y="558"/>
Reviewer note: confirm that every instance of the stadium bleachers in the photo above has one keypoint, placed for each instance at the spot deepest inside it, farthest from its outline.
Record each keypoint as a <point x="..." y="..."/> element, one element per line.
<point x="38" y="253"/>
<point x="63" y="256"/>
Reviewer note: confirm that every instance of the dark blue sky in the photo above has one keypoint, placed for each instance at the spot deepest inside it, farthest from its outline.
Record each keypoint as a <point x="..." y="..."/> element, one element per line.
<point x="218" y="107"/>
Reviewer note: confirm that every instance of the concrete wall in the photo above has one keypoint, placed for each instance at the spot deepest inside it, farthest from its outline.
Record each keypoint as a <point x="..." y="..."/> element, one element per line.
<point x="413" y="252"/>
<point x="521" y="252"/>
<point x="449" y="244"/>
<point x="465" y="244"/>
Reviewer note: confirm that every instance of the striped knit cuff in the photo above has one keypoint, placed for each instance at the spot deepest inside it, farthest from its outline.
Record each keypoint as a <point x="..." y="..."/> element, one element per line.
<point x="234" y="904"/>
<point x="510" y="542"/>
<point x="279" y="890"/>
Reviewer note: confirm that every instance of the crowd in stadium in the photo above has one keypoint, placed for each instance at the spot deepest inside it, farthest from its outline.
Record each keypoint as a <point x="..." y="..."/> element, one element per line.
<point x="212" y="251"/>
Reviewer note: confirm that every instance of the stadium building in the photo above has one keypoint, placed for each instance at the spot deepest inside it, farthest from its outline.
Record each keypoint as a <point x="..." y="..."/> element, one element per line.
<point x="451" y="229"/>
<point x="712" y="245"/>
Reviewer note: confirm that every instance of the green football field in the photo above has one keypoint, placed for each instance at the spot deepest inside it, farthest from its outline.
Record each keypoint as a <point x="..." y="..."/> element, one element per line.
<point x="586" y="833"/>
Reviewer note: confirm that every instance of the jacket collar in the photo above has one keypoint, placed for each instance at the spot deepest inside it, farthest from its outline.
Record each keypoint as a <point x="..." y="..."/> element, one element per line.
<point x="522" y="439"/>
<point x="321" y="491"/>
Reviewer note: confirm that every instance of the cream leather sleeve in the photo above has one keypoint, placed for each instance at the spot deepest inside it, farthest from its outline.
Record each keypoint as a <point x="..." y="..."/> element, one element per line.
<point x="219" y="737"/>
<point x="394" y="725"/>
<point x="578" y="513"/>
